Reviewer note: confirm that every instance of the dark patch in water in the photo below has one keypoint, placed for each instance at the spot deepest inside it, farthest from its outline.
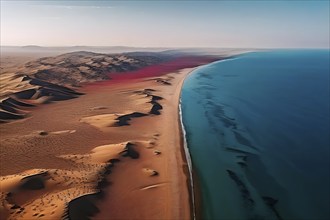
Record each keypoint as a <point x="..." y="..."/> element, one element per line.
<point x="211" y="122"/>
<point x="244" y="141"/>
<point x="242" y="188"/>
<point x="219" y="113"/>
<point x="271" y="202"/>
<point x="237" y="150"/>
<point x="264" y="183"/>
<point x="242" y="164"/>
<point x="242" y="157"/>
<point x="230" y="75"/>
<point x="204" y="75"/>
<point x="207" y="87"/>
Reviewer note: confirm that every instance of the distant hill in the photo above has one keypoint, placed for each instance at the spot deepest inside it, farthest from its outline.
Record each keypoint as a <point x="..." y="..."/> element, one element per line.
<point x="52" y="79"/>
<point x="52" y="51"/>
<point x="84" y="66"/>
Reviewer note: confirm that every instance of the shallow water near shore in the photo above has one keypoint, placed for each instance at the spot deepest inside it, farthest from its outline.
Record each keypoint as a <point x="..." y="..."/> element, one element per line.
<point x="257" y="128"/>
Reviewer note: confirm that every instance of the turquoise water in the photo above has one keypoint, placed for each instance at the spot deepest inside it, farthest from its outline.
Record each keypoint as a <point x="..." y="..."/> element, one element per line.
<point x="257" y="128"/>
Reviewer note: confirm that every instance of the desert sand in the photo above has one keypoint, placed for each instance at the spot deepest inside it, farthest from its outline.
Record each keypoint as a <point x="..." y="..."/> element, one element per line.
<point x="114" y="152"/>
<point x="110" y="149"/>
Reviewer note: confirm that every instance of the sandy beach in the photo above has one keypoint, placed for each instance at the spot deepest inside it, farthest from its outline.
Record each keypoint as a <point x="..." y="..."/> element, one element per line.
<point x="115" y="152"/>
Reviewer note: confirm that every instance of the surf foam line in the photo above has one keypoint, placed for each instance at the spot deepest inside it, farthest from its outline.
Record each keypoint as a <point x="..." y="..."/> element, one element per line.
<point x="185" y="143"/>
<point x="189" y="162"/>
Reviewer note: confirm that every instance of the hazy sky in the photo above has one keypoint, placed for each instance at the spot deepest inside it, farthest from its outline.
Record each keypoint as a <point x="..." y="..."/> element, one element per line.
<point x="166" y="23"/>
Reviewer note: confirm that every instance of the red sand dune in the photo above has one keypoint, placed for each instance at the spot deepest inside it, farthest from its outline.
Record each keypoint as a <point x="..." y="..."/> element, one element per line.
<point x="157" y="70"/>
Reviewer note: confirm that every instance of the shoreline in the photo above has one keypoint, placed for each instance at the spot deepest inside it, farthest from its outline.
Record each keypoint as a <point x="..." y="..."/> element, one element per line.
<point x="188" y="160"/>
<point x="193" y="181"/>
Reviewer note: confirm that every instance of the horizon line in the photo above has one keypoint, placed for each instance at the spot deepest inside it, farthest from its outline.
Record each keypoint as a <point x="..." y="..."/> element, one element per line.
<point x="162" y="47"/>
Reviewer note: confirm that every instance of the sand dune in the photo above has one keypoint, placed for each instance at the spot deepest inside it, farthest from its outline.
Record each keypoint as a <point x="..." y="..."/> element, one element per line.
<point x="124" y="119"/>
<point x="140" y="98"/>
<point x="88" y="180"/>
<point x="115" y="148"/>
<point x="16" y="104"/>
<point x="31" y="194"/>
<point x="4" y="115"/>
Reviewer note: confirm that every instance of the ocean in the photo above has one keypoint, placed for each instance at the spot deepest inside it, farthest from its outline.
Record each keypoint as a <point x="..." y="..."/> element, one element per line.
<point x="257" y="129"/>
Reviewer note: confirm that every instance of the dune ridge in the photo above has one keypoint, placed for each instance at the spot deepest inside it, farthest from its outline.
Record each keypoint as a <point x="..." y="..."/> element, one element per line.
<point x="123" y="119"/>
<point x="74" y="68"/>
<point x="31" y="194"/>
<point x="17" y="104"/>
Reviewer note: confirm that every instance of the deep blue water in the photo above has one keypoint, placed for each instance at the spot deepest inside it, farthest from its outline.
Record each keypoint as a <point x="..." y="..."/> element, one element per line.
<point x="258" y="133"/>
